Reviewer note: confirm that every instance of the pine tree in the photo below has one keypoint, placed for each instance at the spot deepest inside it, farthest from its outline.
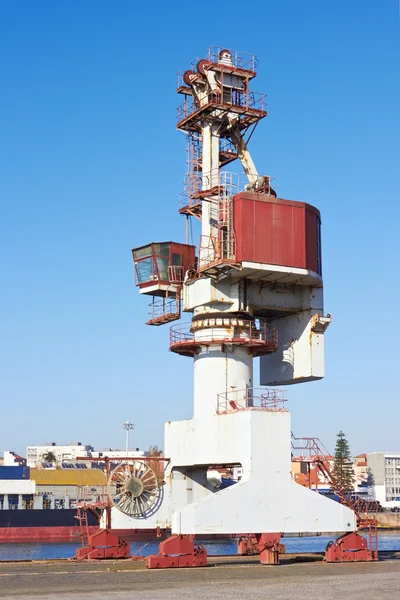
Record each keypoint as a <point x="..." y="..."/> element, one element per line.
<point x="343" y="466"/>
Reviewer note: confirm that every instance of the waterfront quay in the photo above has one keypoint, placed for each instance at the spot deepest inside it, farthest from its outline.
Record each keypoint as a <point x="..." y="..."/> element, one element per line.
<point x="223" y="578"/>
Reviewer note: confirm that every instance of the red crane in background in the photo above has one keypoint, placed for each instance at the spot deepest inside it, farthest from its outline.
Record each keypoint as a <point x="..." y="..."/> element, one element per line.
<point x="351" y="546"/>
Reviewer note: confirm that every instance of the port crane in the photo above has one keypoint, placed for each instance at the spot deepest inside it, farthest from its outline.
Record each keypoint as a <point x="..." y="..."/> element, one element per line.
<point x="251" y="288"/>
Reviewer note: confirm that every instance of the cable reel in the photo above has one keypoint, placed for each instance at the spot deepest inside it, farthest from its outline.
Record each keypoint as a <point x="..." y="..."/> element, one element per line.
<point x="133" y="488"/>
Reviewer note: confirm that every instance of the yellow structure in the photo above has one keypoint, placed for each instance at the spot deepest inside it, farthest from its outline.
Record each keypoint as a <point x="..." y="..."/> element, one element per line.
<point x="73" y="477"/>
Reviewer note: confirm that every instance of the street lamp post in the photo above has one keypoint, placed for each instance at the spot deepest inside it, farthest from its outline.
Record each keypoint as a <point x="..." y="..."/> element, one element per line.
<point x="127" y="426"/>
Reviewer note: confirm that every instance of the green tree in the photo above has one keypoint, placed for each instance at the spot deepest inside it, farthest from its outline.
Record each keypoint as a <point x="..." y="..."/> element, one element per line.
<point x="49" y="457"/>
<point x="343" y="465"/>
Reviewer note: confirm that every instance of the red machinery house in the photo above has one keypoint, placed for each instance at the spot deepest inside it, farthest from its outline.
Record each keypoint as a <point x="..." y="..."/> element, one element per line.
<point x="275" y="231"/>
<point x="160" y="265"/>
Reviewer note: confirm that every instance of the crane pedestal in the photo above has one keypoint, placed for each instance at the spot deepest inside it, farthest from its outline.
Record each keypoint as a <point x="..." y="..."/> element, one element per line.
<point x="267" y="545"/>
<point x="178" y="551"/>
<point x="353" y="547"/>
<point x="102" y="545"/>
<point x="350" y="547"/>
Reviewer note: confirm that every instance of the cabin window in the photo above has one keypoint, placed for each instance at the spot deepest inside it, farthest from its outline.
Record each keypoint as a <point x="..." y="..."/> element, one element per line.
<point x="145" y="270"/>
<point x="176" y="260"/>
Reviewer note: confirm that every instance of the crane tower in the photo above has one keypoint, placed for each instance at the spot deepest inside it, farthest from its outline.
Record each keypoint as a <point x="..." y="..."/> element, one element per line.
<point x="252" y="288"/>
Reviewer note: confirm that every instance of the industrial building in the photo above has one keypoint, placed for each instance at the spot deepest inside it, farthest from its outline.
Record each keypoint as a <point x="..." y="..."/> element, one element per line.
<point x="384" y="475"/>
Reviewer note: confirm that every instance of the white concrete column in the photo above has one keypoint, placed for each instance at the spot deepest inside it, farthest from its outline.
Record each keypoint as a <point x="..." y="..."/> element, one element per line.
<point x="219" y="371"/>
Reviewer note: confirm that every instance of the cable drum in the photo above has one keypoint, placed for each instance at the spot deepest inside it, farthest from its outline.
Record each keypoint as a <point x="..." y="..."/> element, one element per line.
<point x="133" y="488"/>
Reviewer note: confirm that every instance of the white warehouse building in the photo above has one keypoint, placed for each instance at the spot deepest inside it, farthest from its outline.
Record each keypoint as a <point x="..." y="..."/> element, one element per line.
<point x="64" y="454"/>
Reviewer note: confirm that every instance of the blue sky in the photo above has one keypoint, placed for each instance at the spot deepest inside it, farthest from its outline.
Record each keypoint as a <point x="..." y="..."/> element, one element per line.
<point x="91" y="165"/>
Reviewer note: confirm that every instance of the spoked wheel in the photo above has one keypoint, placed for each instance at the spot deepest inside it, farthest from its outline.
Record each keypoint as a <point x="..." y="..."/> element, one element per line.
<point x="133" y="488"/>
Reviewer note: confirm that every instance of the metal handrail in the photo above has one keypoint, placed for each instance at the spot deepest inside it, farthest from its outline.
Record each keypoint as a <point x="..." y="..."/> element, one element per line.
<point x="222" y="183"/>
<point x="86" y="496"/>
<point x="246" y="101"/>
<point x="242" y="60"/>
<point x="244" y="332"/>
<point x="272" y="400"/>
<point x="163" y="306"/>
<point x="180" y="333"/>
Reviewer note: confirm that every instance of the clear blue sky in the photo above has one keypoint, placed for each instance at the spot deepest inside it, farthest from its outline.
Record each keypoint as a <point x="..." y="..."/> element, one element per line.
<point x="91" y="165"/>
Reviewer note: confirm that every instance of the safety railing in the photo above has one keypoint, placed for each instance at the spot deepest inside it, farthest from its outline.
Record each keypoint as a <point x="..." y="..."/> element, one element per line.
<point x="227" y="148"/>
<point x="311" y="448"/>
<point x="235" y="58"/>
<point x="181" y="333"/>
<point x="272" y="400"/>
<point x="91" y="496"/>
<point x="194" y="150"/>
<point x="162" y="306"/>
<point x="165" y="310"/>
<point x="235" y="101"/>
<point x="216" y="249"/>
<point x="192" y="184"/>
<point x="216" y="183"/>
<point x="258" y="335"/>
<point x="255" y="101"/>
<point x="176" y="274"/>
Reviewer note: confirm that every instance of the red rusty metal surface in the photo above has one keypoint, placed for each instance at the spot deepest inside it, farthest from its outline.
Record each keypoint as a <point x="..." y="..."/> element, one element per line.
<point x="247" y="546"/>
<point x="350" y="547"/>
<point x="185" y="254"/>
<point x="102" y="545"/>
<point x="313" y="241"/>
<point x="275" y="231"/>
<point x="266" y="545"/>
<point x="178" y="551"/>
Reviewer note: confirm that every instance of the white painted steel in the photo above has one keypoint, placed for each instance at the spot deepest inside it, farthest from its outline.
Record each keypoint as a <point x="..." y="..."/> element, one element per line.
<point x="217" y="371"/>
<point x="204" y="293"/>
<point x="293" y="274"/>
<point x="266" y="499"/>
<point x="300" y="354"/>
<point x="245" y="157"/>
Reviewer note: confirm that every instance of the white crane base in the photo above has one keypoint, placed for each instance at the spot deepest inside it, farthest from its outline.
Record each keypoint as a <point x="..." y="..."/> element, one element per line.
<point x="266" y="499"/>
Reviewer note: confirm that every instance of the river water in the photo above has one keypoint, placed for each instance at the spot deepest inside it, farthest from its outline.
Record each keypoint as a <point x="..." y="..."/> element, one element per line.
<point x="41" y="551"/>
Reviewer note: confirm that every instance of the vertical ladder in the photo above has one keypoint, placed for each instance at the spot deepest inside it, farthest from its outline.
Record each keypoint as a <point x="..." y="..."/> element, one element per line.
<point x="83" y="524"/>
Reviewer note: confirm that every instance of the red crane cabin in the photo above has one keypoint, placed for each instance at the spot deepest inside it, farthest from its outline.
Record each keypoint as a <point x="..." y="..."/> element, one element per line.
<point x="160" y="266"/>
